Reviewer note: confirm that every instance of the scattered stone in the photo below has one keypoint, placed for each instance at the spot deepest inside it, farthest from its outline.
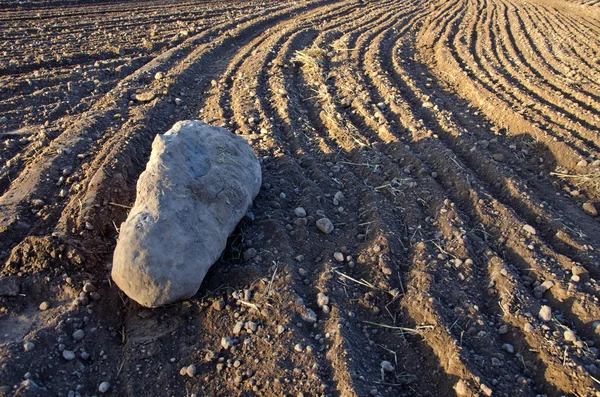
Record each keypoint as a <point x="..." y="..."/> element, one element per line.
<point x="191" y="371"/>
<point x="387" y="366"/>
<point x="159" y="76"/>
<point x="28" y="346"/>
<point x="310" y="316"/>
<point x="104" y="387"/>
<point x="580" y="272"/>
<point x="485" y="389"/>
<point x="543" y="287"/>
<point x="226" y="343"/>
<point x="322" y="299"/>
<point x="280" y="329"/>
<point x="44" y="306"/>
<point x="218" y="305"/>
<point x="197" y="175"/>
<point x="325" y="225"/>
<point x="590" y="209"/>
<point x="68" y="355"/>
<point x="78" y="335"/>
<point x="299" y="347"/>
<point x="507" y="347"/>
<point x="338" y="256"/>
<point x="545" y="313"/>
<point x="461" y="388"/>
<point x="529" y="229"/>
<point x="144" y="97"/>
<point x="251" y="326"/>
<point x="178" y="101"/>
<point x="499" y="157"/>
<point x="249" y="254"/>
<point x="95" y="296"/>
<point x="28" y="385"/>
<point x="10" y="286"/>
<point x="381" y="105"/>
<point x="527" y="327"/>
<point x="338" y="198"/>
<point x="503" y="329"/>
<point x="570" y="336"/>
<point x="300" y="212"/>
<point x="89" y="287"/>
<point x="239" y="326"/>
<point x="496" y="362"/>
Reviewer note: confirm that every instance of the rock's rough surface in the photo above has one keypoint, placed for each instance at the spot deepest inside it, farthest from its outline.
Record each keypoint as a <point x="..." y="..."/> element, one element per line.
<point x="198" y="184"/>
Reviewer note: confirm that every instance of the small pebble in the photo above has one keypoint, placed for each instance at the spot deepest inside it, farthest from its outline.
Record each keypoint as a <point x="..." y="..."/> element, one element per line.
<point x="325" y="225"/>
<point x="507" y="347"/>
<point x="590" y="209"/>
<point x="545" y="313"/>
<point x="300" y="212"/>
<point x="29" y="346"/>
<point x="104" y="386"/>
<point x="529" y="229"/>
<point x="44" y="306"/>
<point x="338" y="256"/>
<point x="68" y="355"/>
<point x="570" y="336"/>
<point x="78" y="335"/>
<point x="387" y="366"/>
<point x="191" y="371"/>
<point x="299" y="347"/>
<point x="322" y="299"/>
<point x="89" y="287"/>
<point x="226" y="343"/>
<point x="218" y="305"/>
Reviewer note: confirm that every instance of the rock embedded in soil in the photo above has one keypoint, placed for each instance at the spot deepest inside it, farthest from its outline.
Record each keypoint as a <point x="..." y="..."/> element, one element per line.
<point x="68" y="355"/>
<point x="545" y="313"/>
<point x="590" y="209"/>
<point x="570" y="336"/>
<point x="529" y="229"/>
<point x="198" y="184"/>
<point x="79" y="334"/>
<point x="104" y="387"/>
<point x="44" y="306"/>
<point x="300" y="212"/>
<point x="325" y="225"/>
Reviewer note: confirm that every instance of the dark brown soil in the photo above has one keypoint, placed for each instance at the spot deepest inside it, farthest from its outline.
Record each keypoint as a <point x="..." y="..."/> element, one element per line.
<point x="462" y="134"/>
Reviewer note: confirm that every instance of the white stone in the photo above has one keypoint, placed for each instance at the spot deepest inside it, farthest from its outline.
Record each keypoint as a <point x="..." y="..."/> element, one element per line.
<point x="198" y="184"/>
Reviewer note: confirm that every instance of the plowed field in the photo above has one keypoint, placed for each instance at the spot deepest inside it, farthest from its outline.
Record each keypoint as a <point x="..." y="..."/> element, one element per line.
<point x="454" y="144"/>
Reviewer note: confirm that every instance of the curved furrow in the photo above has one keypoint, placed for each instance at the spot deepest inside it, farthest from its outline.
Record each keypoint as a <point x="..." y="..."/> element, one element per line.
<point x="293" y="147"/>
<point x="438" y="157"/>
<point x="558" y="99"/>
<point x="452" y="144"/>
<point x="473" y="181"/>
<point x="471" y="143"/>
<point x="467" y="270"/>
<point x="500" y="64"/>
<point x="547" y="104"/>
<point x="284" y="114"/>
<point x="447" y="228"/>
<point x="550" y="63"/>
<point x="101" y="119"/>
<point x="579" y="65"/>
<point x="487" y="96"/>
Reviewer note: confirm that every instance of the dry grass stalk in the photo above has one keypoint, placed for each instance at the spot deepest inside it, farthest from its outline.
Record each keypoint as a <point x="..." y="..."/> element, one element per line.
<point x="590" y="181"/>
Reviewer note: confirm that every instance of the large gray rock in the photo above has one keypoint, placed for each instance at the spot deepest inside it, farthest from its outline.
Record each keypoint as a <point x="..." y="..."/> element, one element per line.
<point x="198" y="184"/>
